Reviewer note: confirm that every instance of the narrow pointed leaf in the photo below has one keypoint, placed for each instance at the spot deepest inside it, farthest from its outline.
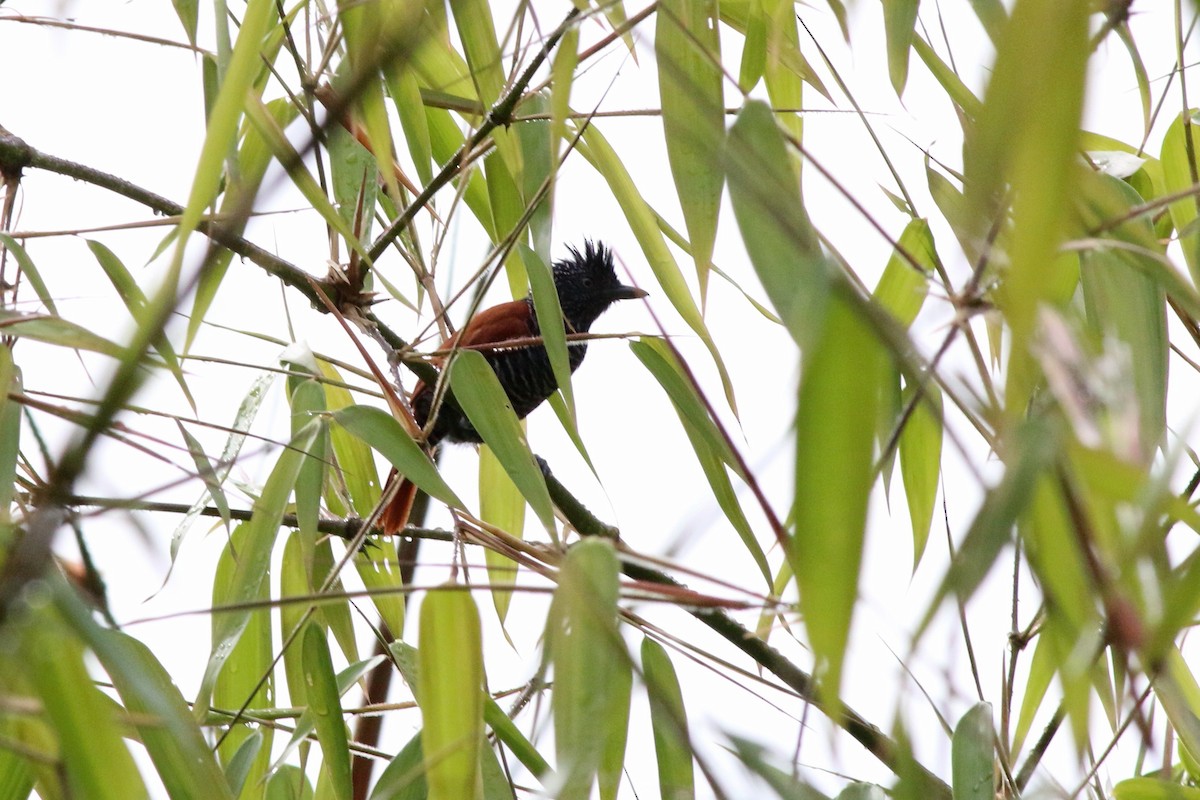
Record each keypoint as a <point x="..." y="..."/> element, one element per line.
<point x="688" y="51"/>
<point x="478" y="391"/>
<point x="182" y="758"/>
<point x="500" y="504"/>
<point x="29" y="272"/>
<point x="450" y="694"/>
<point x="971" y="755"/>
<point x="325" y="705"/>
<point x="583" y="641"/>
<point x="779" y="238"/>
<point x="706" y="439"/>
<point x="391" y="440"/>
<point x="254" y="557"/>
<point x="668" y="718"/>
<point x="899" y="17"/>
<point x="94" y="758"/>
<point x="834" y="473"/>
<point x="644" y="224"/>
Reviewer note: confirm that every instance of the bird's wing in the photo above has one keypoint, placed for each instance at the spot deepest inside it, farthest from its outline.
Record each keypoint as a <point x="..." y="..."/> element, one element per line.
<point x="496" y="325"/>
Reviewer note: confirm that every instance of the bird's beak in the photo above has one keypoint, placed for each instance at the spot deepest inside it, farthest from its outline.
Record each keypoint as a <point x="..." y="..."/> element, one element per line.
<point x="628" y="293"/>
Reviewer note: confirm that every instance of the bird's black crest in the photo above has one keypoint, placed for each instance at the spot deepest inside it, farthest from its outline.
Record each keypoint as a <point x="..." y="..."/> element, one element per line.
<point x="596" y="258"/>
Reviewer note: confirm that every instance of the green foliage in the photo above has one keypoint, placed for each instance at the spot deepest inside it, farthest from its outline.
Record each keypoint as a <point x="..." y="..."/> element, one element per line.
<point x="1028" y="357"/>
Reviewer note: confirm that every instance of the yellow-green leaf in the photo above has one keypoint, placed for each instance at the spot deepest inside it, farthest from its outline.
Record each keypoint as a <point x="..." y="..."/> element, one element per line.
<point x="688" y="50"/>
<point x="834" y="473"/>
<point x="668" y="718"/>
<point x="478" y="391"/>
<point x="587" y="650"/>
<point x="450" y="694"/>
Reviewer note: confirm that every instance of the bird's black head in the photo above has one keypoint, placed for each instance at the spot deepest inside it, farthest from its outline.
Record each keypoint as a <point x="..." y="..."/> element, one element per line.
<point x="587" y="285"/>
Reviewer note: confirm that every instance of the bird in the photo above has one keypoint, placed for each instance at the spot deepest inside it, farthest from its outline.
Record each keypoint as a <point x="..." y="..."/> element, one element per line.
<point x="587" y="285"/>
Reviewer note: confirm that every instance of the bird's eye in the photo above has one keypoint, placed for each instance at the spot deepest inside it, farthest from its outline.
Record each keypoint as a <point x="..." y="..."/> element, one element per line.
<point x="587" y="283"/>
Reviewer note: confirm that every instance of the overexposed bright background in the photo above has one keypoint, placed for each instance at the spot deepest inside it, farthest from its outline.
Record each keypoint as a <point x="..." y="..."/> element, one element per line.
<point x="84" y="96"/>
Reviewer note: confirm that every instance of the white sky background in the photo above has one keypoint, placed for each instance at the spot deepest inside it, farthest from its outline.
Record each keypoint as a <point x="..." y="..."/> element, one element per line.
<point x="134" y="109"/>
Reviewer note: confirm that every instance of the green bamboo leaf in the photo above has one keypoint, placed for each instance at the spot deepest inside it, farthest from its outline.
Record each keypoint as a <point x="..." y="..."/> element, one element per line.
<point x="784" y="784"/>
<point x="405" y="656"/>
<point x="562" y="75"/>
<point x="56" y="331"/>
<point x="508" y="211"/>
<point x="29" y="272"/>
<point x="1056" y="556"/>
<point x="500" y="504"/>
<point x="1041" y="673"/>
<point x="181" y="757"/>
<point x="254" y="558"/>
<point x="1179" y="175"/>
<point x="239" y="75"/>
<point x="970" y="231"/>
<point x="547" y="307"/>
<point x="247" y="411"/>
<point x="1126" y="301"/>
<point x="446" y="138"/>
<point x="288" y="783"/>
<point x="93" y="756"/>
<point x="391" y="440"/>
<point x="1176" y="688"/>
<point x="295" y="580"/>
<point x="754" y="49"/>
<point x="188" y="12"/>
<point x="1139" y="73"/>
<point x="323" y="701"/>
<point x="539" y="167"/>
<point x="404" y="776"/>
<point x="616" y="729"/>
<point x="992" y="16"/>
<point x="904" y="285"/>
<point x="945" y="75"/>
<point x="688" y="51"/>
<point x="307" y="400"/>
<point x="583" y="641"/>
<point x="253" y="158"/>
<point x="1026" y="142"/>
<point x="450" y="681"/>
<point x="473" y="18"/>
<point x="356" y="466"/>
<point x="668" y="718"/>
<point x="707" y="442"/>
<point x="354" y="174"/>
<point x="378" y="567"/>
<point x="1153" y="789"/>
<point x="478" y="391"/>
<point x="10" y="431"/>
<point x="899" y="18"/>
<point x="246" y="749"/>
<point x="779" y="238"/>
<point x="644" y="224"/>
<point x="207" y="473"/>
<point x="405" y="92"/>
<point x="834" y="474"/>
<point x="971" y="755"/>
<point x="920" y="449"/>
<point x="1028" y="455"/>
<point x="366" y="29"/>
<point x="249" y="753"/>
<point x="260" y="117"/>
<point x="787" y="71"/>
<point x="16" y="776"/>
<point x="343" y="682"/>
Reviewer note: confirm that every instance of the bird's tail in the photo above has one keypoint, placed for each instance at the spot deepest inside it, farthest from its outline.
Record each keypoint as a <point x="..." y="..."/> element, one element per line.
<point x="395" y="514"/>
